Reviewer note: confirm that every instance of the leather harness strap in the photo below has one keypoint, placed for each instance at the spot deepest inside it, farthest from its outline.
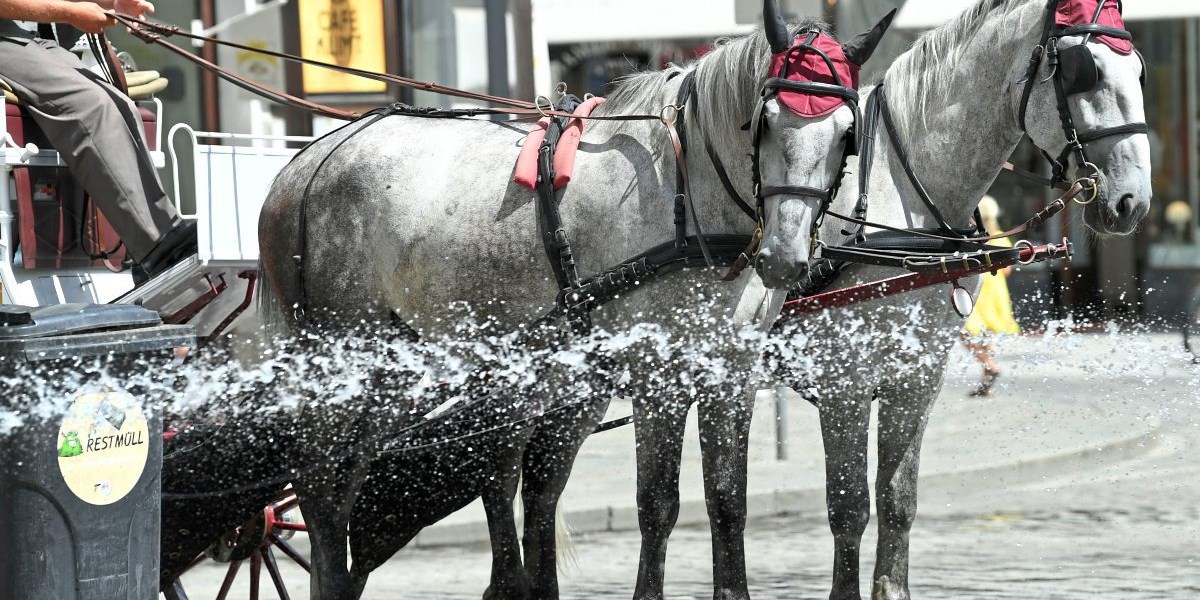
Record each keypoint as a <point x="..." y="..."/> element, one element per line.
<point x="889" y="126"/>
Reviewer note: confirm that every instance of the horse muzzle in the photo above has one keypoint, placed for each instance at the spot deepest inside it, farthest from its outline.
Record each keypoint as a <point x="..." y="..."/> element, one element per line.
<point x="779" y="272"/>
<point x="1117" y="208"/>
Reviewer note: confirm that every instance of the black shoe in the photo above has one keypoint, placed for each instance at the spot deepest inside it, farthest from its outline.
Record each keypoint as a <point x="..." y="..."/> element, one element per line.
<point x="178" y="244"/>
<point x="139" y="274"/>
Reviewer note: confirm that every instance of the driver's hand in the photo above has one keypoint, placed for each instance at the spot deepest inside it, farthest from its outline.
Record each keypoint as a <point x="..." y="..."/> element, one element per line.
<point x="133" y="8"/>
<point x="89" y="17"/>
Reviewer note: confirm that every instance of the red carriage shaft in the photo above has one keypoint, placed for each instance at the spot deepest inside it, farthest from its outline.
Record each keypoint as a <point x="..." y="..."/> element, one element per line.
<point x="1029" y="253"/>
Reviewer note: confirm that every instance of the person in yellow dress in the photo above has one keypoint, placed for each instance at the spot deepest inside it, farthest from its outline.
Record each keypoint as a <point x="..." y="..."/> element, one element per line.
<point x="993" y="307"/>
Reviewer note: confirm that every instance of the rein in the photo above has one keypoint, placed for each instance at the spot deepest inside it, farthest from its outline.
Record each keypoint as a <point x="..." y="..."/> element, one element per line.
<point x="154" y="33"/>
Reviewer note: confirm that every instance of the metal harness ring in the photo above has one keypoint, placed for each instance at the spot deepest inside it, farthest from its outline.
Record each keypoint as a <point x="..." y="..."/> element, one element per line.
<point x="537" y="103"/>
<point x="672" y="110"/>
<point x="1026" y="244"/>
<point x="1092" y="183"/>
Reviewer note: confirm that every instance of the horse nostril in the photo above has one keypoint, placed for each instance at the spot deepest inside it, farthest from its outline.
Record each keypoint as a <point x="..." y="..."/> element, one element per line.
<point x="1125" y="205"/>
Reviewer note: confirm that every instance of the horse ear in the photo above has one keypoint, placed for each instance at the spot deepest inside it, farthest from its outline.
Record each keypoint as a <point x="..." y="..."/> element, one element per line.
<point x="859" y="49"/>
<point x="775" y="27"/>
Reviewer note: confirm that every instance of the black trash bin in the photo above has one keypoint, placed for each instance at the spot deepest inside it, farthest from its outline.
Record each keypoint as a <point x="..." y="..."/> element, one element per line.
<point x="81" y="450"/>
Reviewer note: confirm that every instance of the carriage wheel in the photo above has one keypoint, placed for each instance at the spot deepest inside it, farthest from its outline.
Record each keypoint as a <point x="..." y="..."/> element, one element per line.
<point x="256" y="541"/>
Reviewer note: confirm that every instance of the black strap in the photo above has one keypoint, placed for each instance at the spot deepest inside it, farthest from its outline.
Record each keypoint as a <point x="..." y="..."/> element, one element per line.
<point x="554" y="235"/>
<point x="815" y="88"/>
<point x="1034" y="177"/>
<point x="301" y="306"/>
<point x="687" y="90"/>
<point x="683" y="192"/>
<point x="1035" y="59"/>
<point x="919" y="263"/>
<point x="660" y="260"/>
<point x="1094" y="29"/>
<point x="1128" y="128"/>
<point x="797" y="190"/>
<point x="902" y="154"/>
<point x="726" y="183"/>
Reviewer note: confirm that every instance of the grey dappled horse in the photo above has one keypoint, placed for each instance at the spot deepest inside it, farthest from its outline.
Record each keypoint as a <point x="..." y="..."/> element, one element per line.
<point x="420" y="218"/>
<point x="956" y="96"/>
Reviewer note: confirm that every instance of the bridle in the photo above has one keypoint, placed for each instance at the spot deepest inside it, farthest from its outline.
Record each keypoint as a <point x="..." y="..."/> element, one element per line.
<point x="1074" y="71"/>
<point x="778" y="83"/>
<point x="771" y="90"/>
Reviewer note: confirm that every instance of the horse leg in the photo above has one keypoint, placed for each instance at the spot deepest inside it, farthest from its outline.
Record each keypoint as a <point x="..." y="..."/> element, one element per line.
<point x="658" y="429"/>
<point x="844" y="424"/>
<point x="326" y="497"/>
<point x="547" y="466"/>
<point x="508" y="577"/>
<point x="724" y="445"/>
<point x="903" y="412"/>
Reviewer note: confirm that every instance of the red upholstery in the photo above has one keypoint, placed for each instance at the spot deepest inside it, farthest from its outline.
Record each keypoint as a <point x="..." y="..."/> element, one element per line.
<point x="48" y="219"/>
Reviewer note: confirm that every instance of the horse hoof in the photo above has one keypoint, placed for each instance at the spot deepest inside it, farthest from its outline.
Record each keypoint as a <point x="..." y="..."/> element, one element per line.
<point x="886" y="590"/>
<point x="731" y="595"/>
<point x="492" y="593"/>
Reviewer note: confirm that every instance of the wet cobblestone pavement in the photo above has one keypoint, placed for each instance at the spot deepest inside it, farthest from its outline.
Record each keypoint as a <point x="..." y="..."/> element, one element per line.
<point x="1128" y="530"/>
<point x="1116" y="525"/>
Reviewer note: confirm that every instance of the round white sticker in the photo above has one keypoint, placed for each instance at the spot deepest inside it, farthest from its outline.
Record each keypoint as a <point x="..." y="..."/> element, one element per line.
<point x="102" y="446"/>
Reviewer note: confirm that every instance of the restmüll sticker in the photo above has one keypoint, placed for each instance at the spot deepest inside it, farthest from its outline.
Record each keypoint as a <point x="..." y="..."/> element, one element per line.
<point x="102" y="446"/>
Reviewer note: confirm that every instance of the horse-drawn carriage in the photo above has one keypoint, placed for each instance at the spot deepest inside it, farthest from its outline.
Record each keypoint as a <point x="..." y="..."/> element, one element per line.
<point x="371" y="216"/>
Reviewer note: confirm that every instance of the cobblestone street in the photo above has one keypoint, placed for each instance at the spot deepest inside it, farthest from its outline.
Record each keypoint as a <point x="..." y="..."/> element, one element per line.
<point x="1123" y="530"/>
<point x="1120" y="521"/>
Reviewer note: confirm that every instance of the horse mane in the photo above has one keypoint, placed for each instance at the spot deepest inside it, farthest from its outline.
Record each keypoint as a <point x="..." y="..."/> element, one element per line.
<point x="932" y="60"/>
<point x="728" y="82"/>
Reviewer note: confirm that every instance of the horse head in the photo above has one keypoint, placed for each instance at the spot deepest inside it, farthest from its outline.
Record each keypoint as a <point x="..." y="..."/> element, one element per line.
<point x="803" y="130"/>
<point x="1086" y="99"/>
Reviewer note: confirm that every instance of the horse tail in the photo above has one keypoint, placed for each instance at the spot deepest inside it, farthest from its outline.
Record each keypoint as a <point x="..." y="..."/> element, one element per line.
<point x="565" y="553"/>
<point x="269" y="307"/>
<point x="564" y="543"/>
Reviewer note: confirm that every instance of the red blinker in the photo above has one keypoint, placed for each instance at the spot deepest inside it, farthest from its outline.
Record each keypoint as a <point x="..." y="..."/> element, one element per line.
<point x="1080" y="12"/>
<point x="804" y="65"/>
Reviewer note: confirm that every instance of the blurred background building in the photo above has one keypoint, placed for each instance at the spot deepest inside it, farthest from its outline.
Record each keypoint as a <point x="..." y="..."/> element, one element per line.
<point x="522" y="48"/>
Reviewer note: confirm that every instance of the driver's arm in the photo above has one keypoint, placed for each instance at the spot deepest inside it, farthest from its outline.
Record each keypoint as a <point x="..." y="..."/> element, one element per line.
<point x="85" y="15"/>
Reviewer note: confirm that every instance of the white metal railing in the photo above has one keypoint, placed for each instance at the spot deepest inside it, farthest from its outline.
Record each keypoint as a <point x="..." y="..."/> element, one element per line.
<point x="231" y="184"/>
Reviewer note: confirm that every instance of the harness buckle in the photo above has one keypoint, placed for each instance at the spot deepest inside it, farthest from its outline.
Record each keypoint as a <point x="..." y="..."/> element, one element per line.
<point x="1051" y="58"/>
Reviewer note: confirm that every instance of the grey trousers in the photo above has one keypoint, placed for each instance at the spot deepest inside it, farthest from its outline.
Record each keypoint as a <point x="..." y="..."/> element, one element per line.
<point x="98" y="132"/>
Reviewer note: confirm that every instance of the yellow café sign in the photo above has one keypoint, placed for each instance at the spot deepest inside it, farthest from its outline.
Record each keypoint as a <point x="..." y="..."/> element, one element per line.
<point x="343" y="32"/>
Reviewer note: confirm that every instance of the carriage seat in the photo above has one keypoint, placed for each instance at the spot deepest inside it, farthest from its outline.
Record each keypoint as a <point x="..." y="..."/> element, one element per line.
<point x="45" y="230"/>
